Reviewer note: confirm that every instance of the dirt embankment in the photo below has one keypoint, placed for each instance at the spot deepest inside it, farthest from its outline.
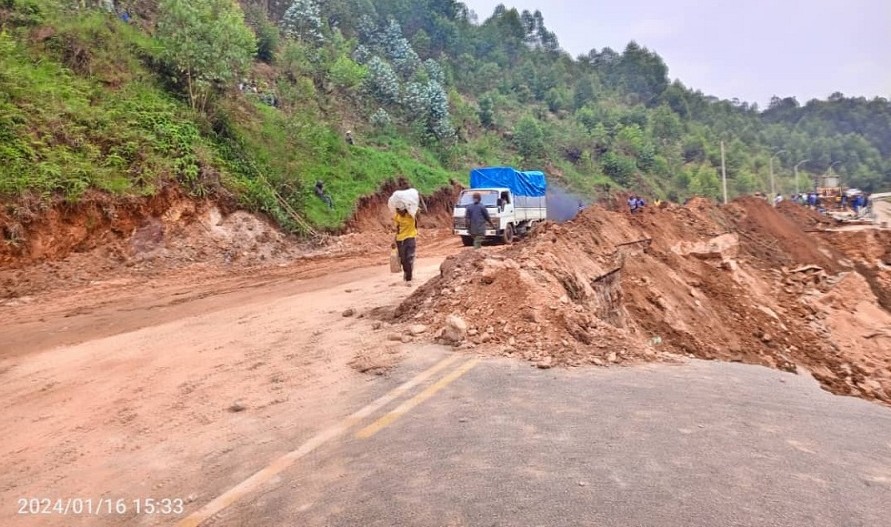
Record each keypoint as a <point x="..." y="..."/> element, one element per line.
<point x="739" y="283"/>
<point x="47" y="247"/>
<point x="100" y="238"/>
<point x="37" y="231"/>
<point x="372" y="214"/>
<point x="808" y="219"/>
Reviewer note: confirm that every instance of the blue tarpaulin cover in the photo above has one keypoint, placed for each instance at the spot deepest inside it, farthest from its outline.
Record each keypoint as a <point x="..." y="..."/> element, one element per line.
<point x="530" y="183"/>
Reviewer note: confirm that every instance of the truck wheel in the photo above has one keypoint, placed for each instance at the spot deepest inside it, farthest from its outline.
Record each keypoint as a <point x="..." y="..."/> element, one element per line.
<point x="508" y="236"/>
<point x="467" y="240"/>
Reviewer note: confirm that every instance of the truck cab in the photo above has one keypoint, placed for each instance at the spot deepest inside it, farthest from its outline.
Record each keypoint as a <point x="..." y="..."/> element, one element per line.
<point x="499" y="203"/>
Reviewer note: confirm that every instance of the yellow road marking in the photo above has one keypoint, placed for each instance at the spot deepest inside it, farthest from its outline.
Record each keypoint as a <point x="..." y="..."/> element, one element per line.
<point x="252" y="483"/>
<point x="405" y="407"/>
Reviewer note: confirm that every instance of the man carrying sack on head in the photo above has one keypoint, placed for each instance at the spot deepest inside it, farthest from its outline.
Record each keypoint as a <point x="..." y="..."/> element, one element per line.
<point x="404" y="204"/>
<point x="406" y="233"/>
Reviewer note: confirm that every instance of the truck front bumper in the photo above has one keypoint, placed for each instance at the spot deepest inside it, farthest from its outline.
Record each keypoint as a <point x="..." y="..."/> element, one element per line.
<point x="489" y="232"/>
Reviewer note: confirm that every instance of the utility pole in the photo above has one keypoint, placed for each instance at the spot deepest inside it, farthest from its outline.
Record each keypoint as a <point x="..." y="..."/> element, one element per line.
<point x="723" y="172"/>
<point x="797" y="189"/>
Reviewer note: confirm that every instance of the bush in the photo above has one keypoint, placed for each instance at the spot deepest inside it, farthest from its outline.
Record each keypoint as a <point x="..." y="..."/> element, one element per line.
<point x="529" y="138"/>
<point x="704" y="181"/>
<point x="345" y="73"/>
<point x="267" y="42"/>
<point x="381" y="119"/>
<point x="619" y="168"/>
<point x="23" y="12"/>
<point x="487" y="112"/>
<point x="268" y="37"/>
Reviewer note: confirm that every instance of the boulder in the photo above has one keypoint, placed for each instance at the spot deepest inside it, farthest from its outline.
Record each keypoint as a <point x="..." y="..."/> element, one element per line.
<point x="417" y="329"/>
<point x="455" y="329"/>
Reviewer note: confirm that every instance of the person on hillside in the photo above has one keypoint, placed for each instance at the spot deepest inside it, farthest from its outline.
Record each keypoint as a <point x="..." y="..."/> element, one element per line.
<point x="320" y="192"/>
<point x="477" y="218"/>
<point x="406" y="234"/>
<point x="778" y="199"/>
<point x="636" y="204"/>
<point x="349" y="138"/>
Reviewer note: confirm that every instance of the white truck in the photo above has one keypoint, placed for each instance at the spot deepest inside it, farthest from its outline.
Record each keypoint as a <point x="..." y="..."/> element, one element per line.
<point x="516" y="202"/>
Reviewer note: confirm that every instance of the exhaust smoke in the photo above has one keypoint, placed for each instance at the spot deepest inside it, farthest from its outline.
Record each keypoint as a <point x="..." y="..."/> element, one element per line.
<point x="562" y="204"/>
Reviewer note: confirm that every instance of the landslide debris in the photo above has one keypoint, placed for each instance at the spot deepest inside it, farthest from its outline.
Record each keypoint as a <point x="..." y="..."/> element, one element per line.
<point x="743" y="282"/>
<point x="47" y="246"/>
<point x="101" y="238"/>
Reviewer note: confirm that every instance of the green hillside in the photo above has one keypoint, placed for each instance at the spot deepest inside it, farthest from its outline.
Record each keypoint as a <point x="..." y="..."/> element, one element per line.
<point x="252" y="101"/>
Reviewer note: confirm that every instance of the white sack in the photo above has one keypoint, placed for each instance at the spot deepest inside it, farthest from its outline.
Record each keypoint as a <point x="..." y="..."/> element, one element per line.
<point x="405" y="199"/>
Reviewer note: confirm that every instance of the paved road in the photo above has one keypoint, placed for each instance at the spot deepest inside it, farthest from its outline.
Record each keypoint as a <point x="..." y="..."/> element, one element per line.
<point x="504" y="444"/>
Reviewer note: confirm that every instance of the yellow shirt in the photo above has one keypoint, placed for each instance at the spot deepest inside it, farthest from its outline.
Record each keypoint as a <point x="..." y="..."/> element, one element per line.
<point x="407" y="228"/>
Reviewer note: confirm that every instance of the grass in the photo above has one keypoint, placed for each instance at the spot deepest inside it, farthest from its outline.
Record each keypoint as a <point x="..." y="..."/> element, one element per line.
<point x="292" y="152"/>
<point x="110" y="128"/>
<point x="84" y="109"/>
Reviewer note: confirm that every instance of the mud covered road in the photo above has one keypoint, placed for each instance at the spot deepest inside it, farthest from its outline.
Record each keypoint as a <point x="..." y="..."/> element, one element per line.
<point x="178" y="385"/>
<point x="205" y="384"/>
<point x="274" y="393"/>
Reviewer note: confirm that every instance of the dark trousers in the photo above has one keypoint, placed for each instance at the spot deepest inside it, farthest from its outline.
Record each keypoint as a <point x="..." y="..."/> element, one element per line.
<point x="407" y="256"/>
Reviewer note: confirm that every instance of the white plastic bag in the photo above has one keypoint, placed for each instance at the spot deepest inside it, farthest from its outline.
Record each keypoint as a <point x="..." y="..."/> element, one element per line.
<point x="405" y="199"/>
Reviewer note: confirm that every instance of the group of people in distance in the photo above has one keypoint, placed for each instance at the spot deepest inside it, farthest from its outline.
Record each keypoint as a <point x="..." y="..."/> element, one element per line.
<point x="843" y="201"/>
<point x="636" y="203"/>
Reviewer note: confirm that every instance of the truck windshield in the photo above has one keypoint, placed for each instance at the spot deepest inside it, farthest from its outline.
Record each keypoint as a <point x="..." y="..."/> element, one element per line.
<point x="490" y="198"/>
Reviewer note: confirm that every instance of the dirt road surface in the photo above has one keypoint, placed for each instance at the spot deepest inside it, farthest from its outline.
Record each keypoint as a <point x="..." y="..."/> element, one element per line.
<point x="179" y="385"/>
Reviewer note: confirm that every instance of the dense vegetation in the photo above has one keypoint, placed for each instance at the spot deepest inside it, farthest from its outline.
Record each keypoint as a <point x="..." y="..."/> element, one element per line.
<point x="253" y="101"/>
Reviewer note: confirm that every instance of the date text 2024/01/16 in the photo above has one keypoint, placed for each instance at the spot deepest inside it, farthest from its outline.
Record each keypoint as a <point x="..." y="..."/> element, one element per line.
<point x="100" y="506"/>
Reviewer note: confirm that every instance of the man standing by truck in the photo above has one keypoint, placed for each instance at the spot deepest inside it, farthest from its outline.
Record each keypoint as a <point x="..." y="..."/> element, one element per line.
<point x="477" y="219"/>
<point x="406" y="233"/>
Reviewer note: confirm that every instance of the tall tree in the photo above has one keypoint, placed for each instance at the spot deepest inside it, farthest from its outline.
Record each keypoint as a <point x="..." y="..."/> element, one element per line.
<point x="303" y="22"/>
<point x="207" y="42"/>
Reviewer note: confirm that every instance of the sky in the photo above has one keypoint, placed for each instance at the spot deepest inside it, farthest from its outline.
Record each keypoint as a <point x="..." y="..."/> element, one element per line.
<point x="748" y="50"/>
